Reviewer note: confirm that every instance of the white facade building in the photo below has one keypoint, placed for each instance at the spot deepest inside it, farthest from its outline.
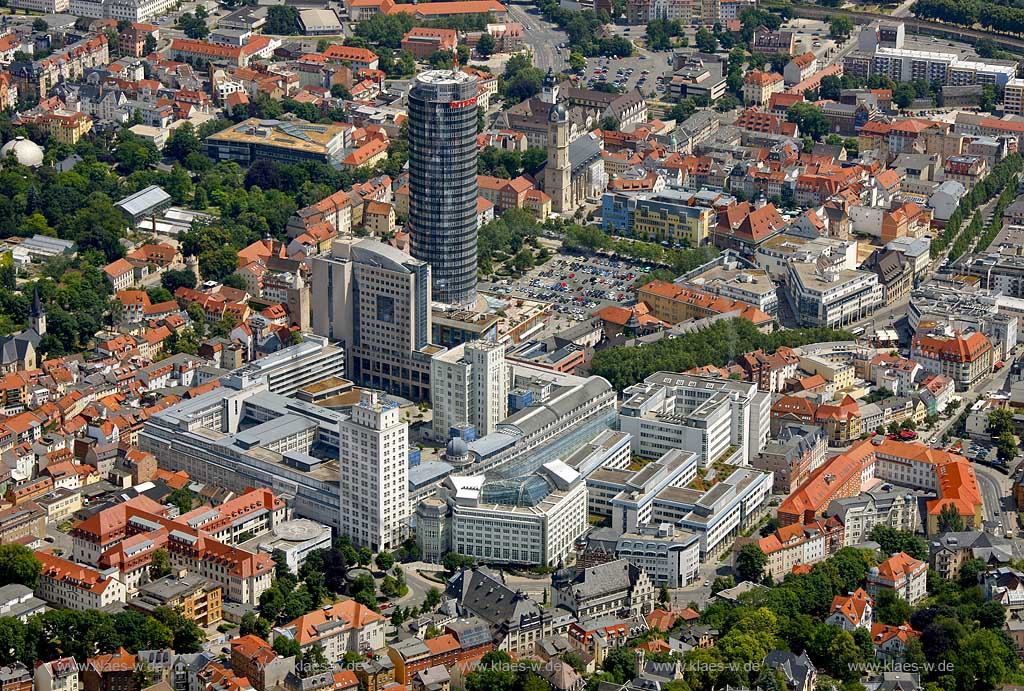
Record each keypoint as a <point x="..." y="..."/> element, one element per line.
<point x="705" y="415"/>
<point x="669" y="556"/>
<point x="469" y="387"/>
<point x="374" y="455"/>
<point x="529" y="520"/>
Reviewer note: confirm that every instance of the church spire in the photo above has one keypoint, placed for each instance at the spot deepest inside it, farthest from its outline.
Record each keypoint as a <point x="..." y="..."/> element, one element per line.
<point x="37" y="315"/>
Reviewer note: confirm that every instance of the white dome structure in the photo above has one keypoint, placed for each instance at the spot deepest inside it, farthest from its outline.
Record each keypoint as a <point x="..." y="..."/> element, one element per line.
<point x="26" y="151"/>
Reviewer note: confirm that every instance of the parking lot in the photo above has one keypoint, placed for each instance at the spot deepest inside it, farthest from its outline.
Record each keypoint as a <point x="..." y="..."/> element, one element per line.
<point x="577" y="285"/>
<point x="639" y="70"/>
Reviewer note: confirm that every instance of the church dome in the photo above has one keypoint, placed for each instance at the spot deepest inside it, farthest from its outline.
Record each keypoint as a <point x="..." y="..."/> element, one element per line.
<point x="26" y="151"/>
<point x="558" y="113"/>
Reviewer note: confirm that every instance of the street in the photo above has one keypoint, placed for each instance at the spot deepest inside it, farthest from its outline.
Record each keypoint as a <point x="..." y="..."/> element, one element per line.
<point x="542" y="37"/>
<point x="418" y="585"/>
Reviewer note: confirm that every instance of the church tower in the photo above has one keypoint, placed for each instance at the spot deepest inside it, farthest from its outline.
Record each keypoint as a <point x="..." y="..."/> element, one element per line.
<point x="558" y="171"/>
<point x="37" y="316"/>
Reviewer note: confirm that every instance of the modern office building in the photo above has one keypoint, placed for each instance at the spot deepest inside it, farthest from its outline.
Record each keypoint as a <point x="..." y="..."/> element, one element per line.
<point x="670" y="556"/>
<point x="659" y="493"/>
<point x="375" y="300"/>
<point x="239" y="438"/>
<point x="290" y="369"/>
<point x="292" y="141"/>
<point x="1013" y="97"/>
<point x="374" y="460"/>
<point x="529" y="520"/>
<point x="556" y="414"/>
<point x="470" y="389"/>
<point x="709" y="416"/>
<point x="824" y="293"/>
<point x="442" y="181"/>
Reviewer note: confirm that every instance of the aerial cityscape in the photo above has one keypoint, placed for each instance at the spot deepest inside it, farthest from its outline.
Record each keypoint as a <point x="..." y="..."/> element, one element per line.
<point x="511" y="345"/>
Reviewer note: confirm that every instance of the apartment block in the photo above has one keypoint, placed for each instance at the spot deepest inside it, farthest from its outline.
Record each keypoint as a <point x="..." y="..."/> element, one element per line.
<point x="901" y="573"/>
<point x="800" y="544"/>
<point x="66" y="584"/>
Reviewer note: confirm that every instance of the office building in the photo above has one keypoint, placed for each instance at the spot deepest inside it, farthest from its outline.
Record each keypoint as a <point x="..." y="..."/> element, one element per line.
<point x="659" y="493"/>
<point x="715" y="418"/>
<point x="250" y="437"/>
<point x="667" y="217"/>
<point x="963" y="358"/>
<point x="1013" y="97"/>
<point x="442" y="181"/>
<point x="670" y="556"/>
<point x="128" y="10"/>
<point x="470" y="389"/>
<point x="949" y="69"/>
<point x="284" y="141"/>
<point x="198" y="599"/>
<point x="288" y="370"/>
<point x="374" y="455"/>
<point x="376" y="299"/>
<point x="824" y="293"/>
<point x="734" y="278"/>
<point x="502" y="518"/>
<point x="556" y="414"/>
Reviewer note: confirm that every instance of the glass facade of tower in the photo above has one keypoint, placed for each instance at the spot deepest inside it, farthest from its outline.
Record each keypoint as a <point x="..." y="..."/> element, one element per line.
<point x="442" y="181"/>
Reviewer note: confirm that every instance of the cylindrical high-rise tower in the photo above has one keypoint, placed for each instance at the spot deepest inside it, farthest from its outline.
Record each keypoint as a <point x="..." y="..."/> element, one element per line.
<point x="442" y="181"/>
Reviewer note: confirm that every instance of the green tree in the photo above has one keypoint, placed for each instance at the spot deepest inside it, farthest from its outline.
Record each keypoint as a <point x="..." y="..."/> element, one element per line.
<point x="271" y="603"/>
<point x="891" y="609"/>
<point x="950" y="520"/>
<point x="840" y="27"/>
<point x="722" y="583"/>
<point x="493" y="673"/>
<point x="19" y="564"/>
<point x="831" y="88"/>
<point x="188" y="637"/>
<point x="313" y="662"/>
<point x="809" y="119"/>
<point x="159" y="565"/>
<point x="172" y="279"/>
<point x="431" y="599"/>
<point x="485" y="46"/>
<point x="385" y="560"/>
<point x="287" y="647"/>
<point x="750" y="563"/>
<point x="705" y="41"/>
<point x="282" y="19"/>
<point x="1006" y="446"/>
<point x="182" y="142"/>
<point x="181" y="498"/>
<point x="664" y="597"/>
